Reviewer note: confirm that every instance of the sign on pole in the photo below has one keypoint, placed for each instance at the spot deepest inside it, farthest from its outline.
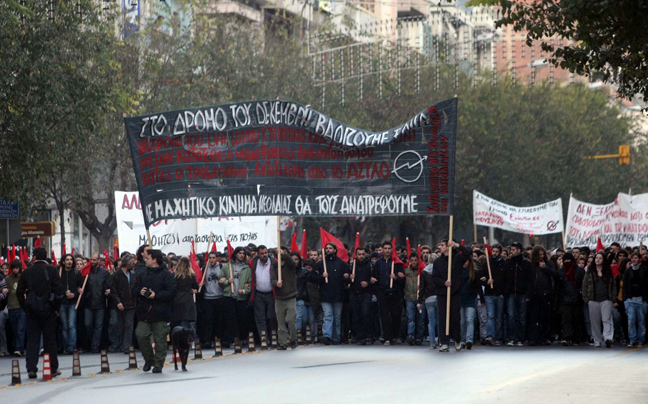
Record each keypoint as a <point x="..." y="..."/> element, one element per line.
<point x="9" y="210"/>
<point x="283" y="158"/>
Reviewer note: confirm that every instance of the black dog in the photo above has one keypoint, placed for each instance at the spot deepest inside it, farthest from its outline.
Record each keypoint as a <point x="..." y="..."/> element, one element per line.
<point x="181" y="338"/>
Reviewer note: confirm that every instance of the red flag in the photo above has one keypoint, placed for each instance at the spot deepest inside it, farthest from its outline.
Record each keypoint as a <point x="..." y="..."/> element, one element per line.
<point x="115" y="252"/>
<point x="356" y="246"/>
<point x="421" y="263"/>
<point x="599" y="245"/>
<point x="489" y="249"/>
<point x="230" y="250"/>
<point x="293" y="244"/>
<point x="64" y="250"/>
<point x="72" y="251"/>
<point x="329" y="238"/>
<point x="12" y="253"/>
<point x="394" y="256"/>
<point x="54" y="262"/>
<point x="107" y="262"/>
<point x="214" y="247"/>
<point x="85" y="271"/>
<point x="1" y="261"/>
<point x="37" y="243"/>
<point x="194" y="262"/>
<point x="25" y="257"/>
<point x="304" y="246"/>
<point x="463" y="242"/>
<point x="409" y="247"/>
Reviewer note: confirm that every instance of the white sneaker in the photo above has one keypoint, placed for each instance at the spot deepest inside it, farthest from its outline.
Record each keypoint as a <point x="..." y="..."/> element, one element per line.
<point x="433" y="346"/>
<point x="387" y="343"/>
<point x="511" y="343"/>
<point x="444" y="348"/>
<point x="458" y="346"/>
<point x="520" y="344"/>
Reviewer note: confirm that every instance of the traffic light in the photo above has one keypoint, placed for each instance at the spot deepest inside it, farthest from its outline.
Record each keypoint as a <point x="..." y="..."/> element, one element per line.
<point x="624" y="154"/>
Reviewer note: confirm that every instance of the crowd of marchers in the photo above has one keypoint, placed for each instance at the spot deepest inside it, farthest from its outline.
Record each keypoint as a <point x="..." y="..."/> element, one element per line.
<point x="498" y="296"/>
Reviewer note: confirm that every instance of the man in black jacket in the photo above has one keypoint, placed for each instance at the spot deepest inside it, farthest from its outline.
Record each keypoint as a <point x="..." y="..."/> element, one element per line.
<point x="122" y="295"/>
<point x="155" y="289"/>
<point x="360" y="299"/>
<point x="95" y="292"/>
<point x="494" y="296"/>
<point x="518" y="272"/>
<point x="460" y="255"/>
<point x="72" y="280"/>
<point x="39" y="294"/>
<point x="331" y="292"/>
<point x="389" y="293"/>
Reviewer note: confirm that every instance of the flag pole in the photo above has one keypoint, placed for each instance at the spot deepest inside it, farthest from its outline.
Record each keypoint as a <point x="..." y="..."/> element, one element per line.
<point x="391" y="280"/>
<point x="490" y="274"/>
<point x="279" y="248"/>
<point x="475" y="232"/>
<point x="148" y="235"/>
<point x="450" y="242"/>
<point x="324" y="261"/>
<point x="354" y="260"/>
<point x="209" y="241"/>
<point x="230" y="268"/>
<point x="76" y="306"/>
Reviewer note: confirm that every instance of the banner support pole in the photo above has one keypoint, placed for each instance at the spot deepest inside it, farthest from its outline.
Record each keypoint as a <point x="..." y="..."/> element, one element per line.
<point x="450" y="242"/>
<point x="490" y="274"/>
<point x="279" y="251"/>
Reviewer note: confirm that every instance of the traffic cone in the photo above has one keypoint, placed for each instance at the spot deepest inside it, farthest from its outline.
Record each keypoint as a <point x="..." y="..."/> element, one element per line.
<point x="47" y="367"/>
<point x="218" y="349"/>
<point x="308" y="335"/>
<point x="237" y="346"/>
<point x="198" y="351"/>
<point x="274" y="339"/>
<point x="264" y="341"/>
<point x="15" y="373"/>
<point x="105" y="367"/>
<point x="76" y="364"/>
<point x="132" y="358"/>
<point x="251" y="347"/>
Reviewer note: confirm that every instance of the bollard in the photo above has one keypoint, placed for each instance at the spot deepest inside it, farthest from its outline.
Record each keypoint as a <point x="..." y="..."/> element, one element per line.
<point x="251" y="347"/>
<point x="274" y="339"/>
<point x="309" y="340"/>
<point x="198" y="351"/>
<point x="264" y="341"/>
<point x="105" y="367"/>
<point x="237" y="346"/>
<point x="15" y="373"/>
<point x="132" y="358"/>
<point x="218" y="349"/>
<point x="76" y="364"/>
<point x="300" y="339"/>
<point x="47" y="367"/>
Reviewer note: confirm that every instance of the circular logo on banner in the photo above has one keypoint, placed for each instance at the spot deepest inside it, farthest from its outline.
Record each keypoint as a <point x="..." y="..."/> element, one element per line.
<point x="408" y="162"/>
<point x="551" y="226"/>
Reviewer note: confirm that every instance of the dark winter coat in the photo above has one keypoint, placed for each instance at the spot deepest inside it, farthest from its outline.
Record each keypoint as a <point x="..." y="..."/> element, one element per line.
<point x="332" y="291"/>
<point x="498" y="270"/>
<point x="570" y="293"/>
<point x="427" y="287"/>
<point x="382" y="271"/>
<point x="302" y="282"/>
<point x="161" y="281"/>
<point x="588" y="287"/>
<point x="362" y="274"/>
<point x="121" y="290"/>
<point x="184" y="307"/>
<point x="440" y="271"/>
<point x="43" y="279"/>
<point x="95" y="291"/>
<point x="72" y="281"/>
<point x="518" y="273"/>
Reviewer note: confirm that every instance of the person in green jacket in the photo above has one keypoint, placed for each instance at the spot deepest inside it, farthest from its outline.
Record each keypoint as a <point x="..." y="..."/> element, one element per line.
<point x="236" y="272"/>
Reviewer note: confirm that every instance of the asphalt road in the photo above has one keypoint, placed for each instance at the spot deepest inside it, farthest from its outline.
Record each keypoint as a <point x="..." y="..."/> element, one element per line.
<point x="350" y="374"/>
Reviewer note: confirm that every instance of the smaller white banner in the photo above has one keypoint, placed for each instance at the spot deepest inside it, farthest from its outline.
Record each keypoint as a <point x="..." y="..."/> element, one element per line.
<point x="541" y="219"/>
<point x="176" y="235"/>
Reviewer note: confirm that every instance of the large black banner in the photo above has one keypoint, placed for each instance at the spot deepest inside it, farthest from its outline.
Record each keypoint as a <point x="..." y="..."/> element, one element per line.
<point x="283" y="158"/>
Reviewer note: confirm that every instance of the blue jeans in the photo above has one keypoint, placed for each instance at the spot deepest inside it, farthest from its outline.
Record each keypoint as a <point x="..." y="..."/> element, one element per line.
<point x="94" y="319"/>
<point x="68" y="315"/>
<point x="415" y="320"/>
<point x="468" y="315"/>
<point x="304" y="315"/>
<point x="636" y="321"/>
<point x="495" y="310"/>
<point x="18" y="321"/>
<point x="332" y="313"/>
<point x="432" y="321"/>
<point x="516" y="317"/>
